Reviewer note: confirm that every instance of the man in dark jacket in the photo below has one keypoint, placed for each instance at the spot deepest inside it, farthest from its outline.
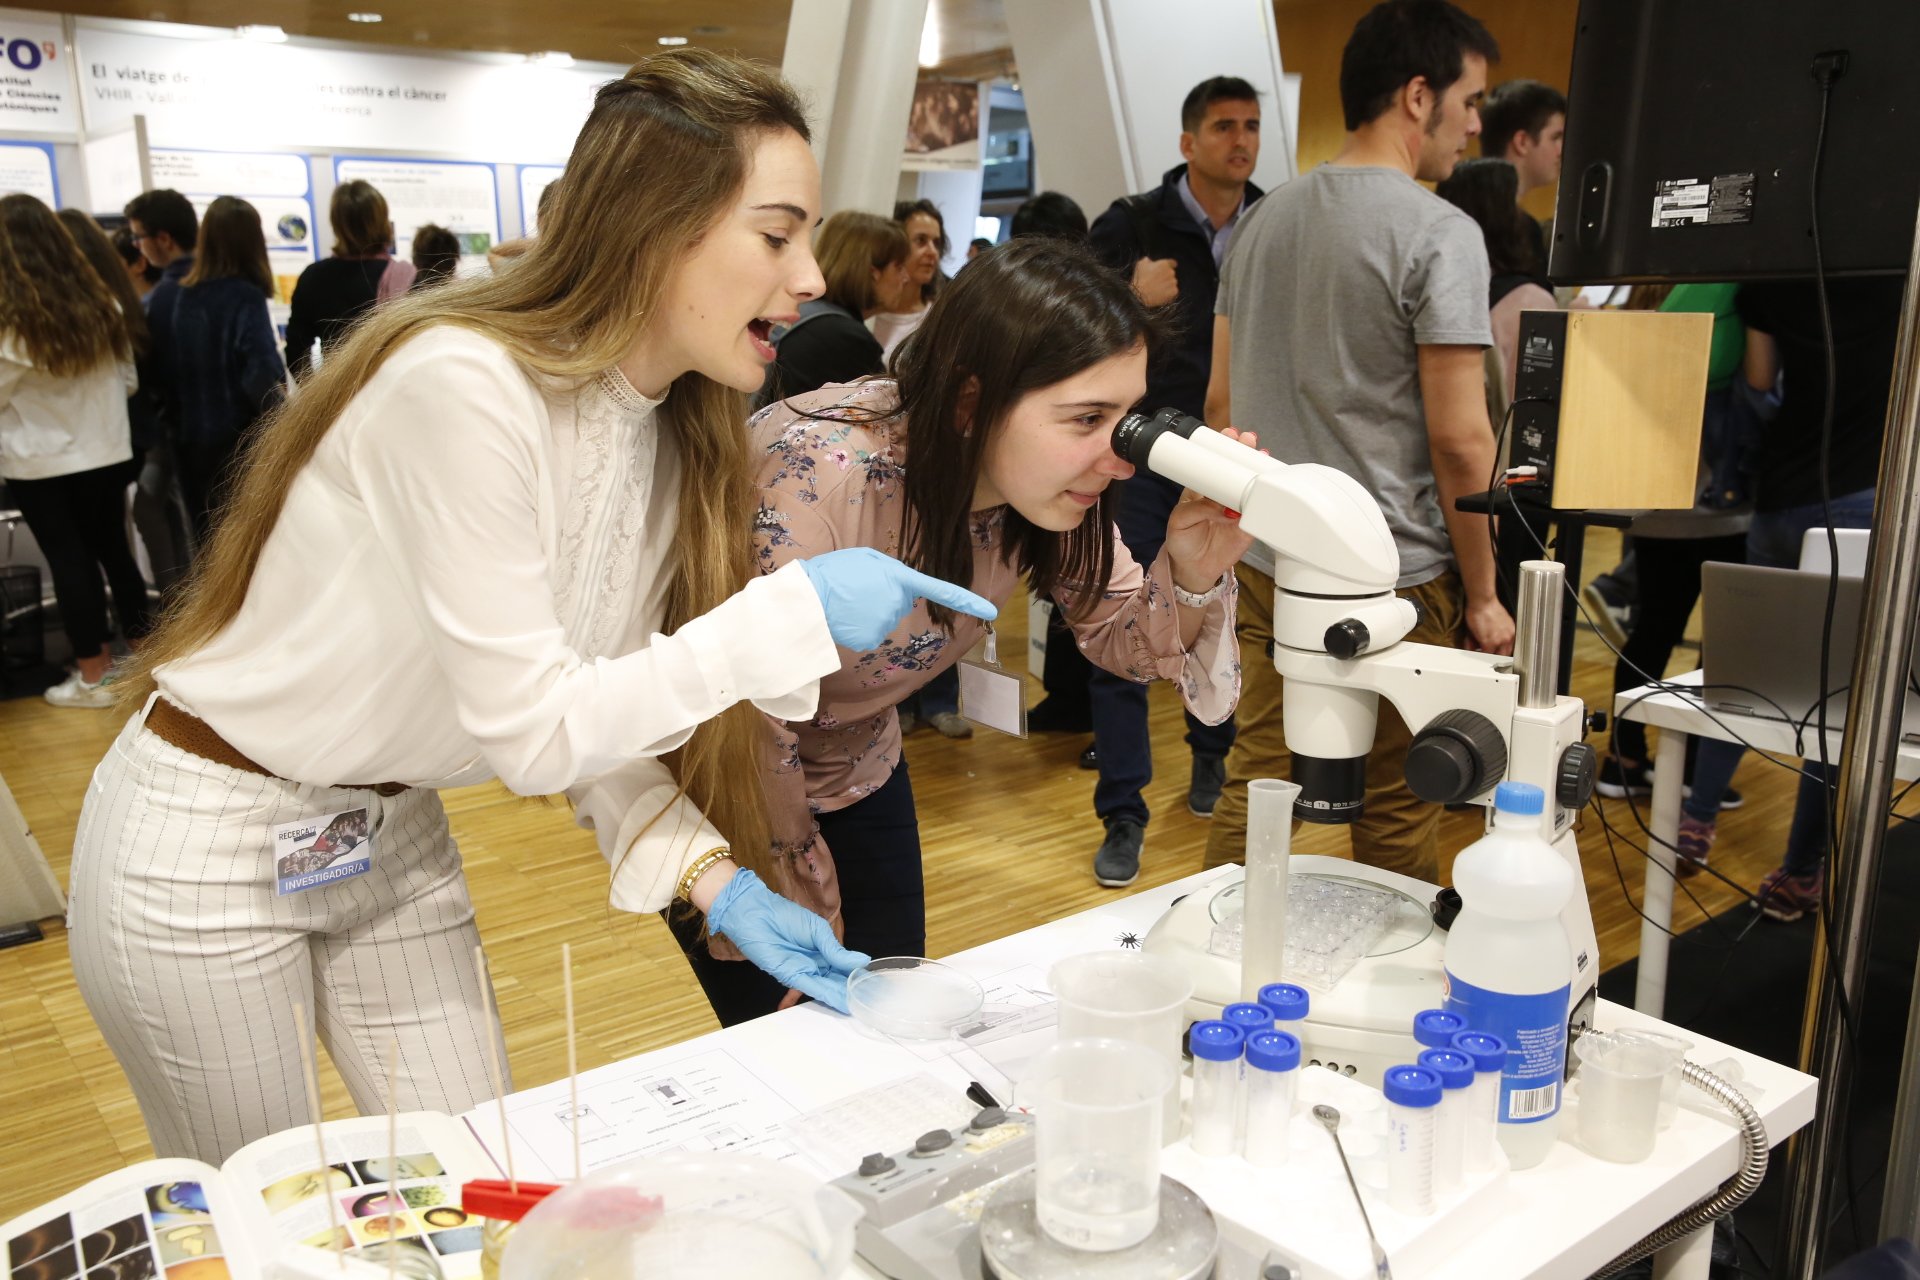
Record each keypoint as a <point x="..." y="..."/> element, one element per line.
<point x="1169" y="241"/>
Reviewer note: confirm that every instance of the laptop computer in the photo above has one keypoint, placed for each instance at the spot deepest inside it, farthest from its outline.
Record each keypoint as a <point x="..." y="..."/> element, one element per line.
<point x="1760" y="644"/>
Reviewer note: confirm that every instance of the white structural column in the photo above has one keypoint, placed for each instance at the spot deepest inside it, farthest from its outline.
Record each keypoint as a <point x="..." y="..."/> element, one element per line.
<point x="1104" y="80"/>
<point x="856" y="62"/>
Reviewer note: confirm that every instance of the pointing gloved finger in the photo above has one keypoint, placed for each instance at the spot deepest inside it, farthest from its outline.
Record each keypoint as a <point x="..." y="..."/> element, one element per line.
<point x="828" y="990"/>
<point x="841" y="960"/>
<point x="946" y="593"/>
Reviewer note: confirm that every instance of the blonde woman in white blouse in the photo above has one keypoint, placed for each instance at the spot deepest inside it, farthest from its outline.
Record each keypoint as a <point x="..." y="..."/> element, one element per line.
<point x="502" y="533"/>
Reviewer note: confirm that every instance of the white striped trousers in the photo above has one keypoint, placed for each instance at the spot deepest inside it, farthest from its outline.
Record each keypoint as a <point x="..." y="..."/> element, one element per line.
<point x="192" y="965"/>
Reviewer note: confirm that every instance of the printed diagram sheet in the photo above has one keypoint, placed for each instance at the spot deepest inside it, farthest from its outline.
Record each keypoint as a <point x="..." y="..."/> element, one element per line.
<point x="706" y="1101"/>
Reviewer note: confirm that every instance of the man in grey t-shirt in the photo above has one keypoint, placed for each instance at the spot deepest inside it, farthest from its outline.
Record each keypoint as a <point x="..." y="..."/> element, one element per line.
<point x="1349" y="331"/>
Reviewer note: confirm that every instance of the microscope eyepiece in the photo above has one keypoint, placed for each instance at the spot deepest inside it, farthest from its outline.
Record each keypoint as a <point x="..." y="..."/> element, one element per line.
<point x="1133" y="435"/>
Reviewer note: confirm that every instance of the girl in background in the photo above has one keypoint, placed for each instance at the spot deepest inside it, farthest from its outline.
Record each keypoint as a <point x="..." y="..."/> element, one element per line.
<point x="66" y="370"/>
<point x="223" y="363"/>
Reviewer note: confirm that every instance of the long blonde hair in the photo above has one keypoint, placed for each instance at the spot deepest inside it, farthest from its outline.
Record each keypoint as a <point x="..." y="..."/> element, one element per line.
<point x="664" y="152"/>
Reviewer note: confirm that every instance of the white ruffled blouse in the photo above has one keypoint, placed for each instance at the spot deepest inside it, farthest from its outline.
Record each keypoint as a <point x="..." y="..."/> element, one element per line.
<point x="467" y="581"/>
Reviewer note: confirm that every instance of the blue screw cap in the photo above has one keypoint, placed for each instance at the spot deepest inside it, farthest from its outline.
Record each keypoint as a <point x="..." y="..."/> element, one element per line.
<point x="1454" y="1068"/>
<point x="1436" y="1028"/>
<point x="1248" y="1016"/>
<point x="1216" y="1041"/>
<point x="1520" y="797"/>
<point x="1273" y="1050"/>
<point x="1288" y="1002"/>
<point x="1488" y="1051"/>
<point x="1412" y="1087"/>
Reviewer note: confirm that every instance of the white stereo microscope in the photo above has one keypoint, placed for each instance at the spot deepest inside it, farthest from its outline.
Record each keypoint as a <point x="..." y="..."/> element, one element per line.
<point x="1339" y="640"/>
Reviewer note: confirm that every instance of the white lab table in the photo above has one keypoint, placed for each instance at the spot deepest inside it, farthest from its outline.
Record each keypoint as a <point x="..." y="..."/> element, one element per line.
<point x="1678" y="715"/>
<point x="1570" y="1215"/>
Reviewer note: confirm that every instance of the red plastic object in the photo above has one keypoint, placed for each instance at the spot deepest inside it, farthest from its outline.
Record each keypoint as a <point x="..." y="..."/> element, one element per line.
<point x="493" y="1198"/>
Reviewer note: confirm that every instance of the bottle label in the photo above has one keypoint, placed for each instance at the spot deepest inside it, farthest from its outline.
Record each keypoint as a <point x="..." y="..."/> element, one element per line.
<point x="1535" y="1029"/>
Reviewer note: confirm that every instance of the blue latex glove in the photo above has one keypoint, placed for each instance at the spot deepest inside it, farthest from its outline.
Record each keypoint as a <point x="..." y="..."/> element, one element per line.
<point x="790" y="942"/>
<point x="865" y="594"/>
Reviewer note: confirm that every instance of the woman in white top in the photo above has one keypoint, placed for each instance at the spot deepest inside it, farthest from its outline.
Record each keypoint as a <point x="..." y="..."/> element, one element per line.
<point x="926" y="246"/>
<point x="66" y="370"/>
<point x="504" y="532"/>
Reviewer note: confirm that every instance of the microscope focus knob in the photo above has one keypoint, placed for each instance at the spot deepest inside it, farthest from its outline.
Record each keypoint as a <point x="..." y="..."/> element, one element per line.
<point x="1573" y="780"/>
<point x="1457" y="756"/>
<point x="1347" y="638"/>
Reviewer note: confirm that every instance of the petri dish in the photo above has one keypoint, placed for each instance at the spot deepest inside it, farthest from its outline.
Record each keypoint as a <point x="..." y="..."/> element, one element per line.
<point x="912" y="998"/>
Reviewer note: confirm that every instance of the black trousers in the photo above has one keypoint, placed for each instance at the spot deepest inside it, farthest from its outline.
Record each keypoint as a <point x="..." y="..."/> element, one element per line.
<point x="80" y="522"/>
<point x="1669" y="587"/>
<point x="206" y="477"/>
<point x="875" y="843"/>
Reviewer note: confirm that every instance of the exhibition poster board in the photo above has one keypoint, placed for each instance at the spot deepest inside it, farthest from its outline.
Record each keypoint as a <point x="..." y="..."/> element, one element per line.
<point x="28" y="167"/>
<point x="534" y="179"/>
<point x="197" y="85"/>
<point x="36" y="87"/>
<point x="944" y="127"/>
<point x="278" y="184"/>
<point x="460" y="195"/>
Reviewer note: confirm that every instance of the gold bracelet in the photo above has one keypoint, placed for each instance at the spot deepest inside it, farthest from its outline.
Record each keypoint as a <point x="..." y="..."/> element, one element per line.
<point x="701" y="865"/>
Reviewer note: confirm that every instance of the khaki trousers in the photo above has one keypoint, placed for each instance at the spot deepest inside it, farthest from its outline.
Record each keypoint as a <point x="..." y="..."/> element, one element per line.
<point x="1396" y="831"/>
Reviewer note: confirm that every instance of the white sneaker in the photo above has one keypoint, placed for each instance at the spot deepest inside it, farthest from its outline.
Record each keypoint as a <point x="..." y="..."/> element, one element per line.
<point x="75" y="691"/>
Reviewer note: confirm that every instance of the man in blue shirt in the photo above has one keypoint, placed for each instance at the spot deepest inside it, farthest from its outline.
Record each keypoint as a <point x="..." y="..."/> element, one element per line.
<point x="1169" y="241"/>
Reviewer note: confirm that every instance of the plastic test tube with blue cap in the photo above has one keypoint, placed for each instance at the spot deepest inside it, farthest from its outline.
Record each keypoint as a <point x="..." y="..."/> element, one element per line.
<point x="1455" y="1070"/>
<point x="1413" y="1101"/>
<point x="1216" y="1049"/>
<point x="1287" y="1003"/>
<point x="1489" y="1054"/>
<point x="1436" y="1028"/>
<point x="1273" y="1080"/>
<point x="1248" y="1016"/>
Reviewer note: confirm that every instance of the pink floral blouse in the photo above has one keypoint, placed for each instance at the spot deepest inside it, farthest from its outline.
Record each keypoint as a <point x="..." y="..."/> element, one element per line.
<point x="827" y="484"/>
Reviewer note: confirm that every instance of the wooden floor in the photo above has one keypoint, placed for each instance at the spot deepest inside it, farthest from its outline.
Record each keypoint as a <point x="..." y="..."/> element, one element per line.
<point x="1009" y="835"/>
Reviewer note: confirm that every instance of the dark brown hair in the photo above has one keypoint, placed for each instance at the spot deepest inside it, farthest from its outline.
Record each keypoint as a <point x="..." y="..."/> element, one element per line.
<point x="1031" y="314"/>
<point x="232" y="246"/>
<point x="436" y="252"/>
<point x="164" y="209"/>
<point x="1488" y="191"/>
<point x="106" y="263"/>
<point x="53" y="303"/>
<point x="361" y="227"/>
<point x="1398" y="41"/>
<point x="905" y="209"/>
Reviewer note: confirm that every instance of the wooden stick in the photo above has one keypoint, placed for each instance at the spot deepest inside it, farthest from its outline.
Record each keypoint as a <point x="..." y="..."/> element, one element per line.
<point x="493" y="1063"/>
<point x="393" y="1146"/>
<point x="319" y="1138"/>
<point x="573" y="1062"/>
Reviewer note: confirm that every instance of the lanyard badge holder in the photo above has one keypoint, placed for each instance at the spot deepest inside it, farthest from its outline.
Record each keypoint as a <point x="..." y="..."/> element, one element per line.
<point x="992" y="696"/>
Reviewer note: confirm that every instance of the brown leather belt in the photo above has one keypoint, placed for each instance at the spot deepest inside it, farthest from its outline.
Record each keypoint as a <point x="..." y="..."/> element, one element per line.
<point x="181" y="728"/>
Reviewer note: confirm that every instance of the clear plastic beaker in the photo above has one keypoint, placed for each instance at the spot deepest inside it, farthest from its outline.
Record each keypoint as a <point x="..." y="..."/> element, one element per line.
<point x="688" y="1216"/>
<point x="1097" y="1140"/>
<point x="1678" y="1048"/>
<point x="1620" y="1083"/>
<point x="1123" y="995"/>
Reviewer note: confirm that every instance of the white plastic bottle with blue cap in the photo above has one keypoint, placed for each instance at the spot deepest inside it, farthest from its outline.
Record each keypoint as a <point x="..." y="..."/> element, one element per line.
<point x="1509" y="965"/>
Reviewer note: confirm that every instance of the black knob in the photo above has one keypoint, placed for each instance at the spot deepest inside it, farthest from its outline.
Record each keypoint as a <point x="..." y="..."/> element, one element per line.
<point x="1573" y="780"/>
<point x="874" y="1165"/>
<point x="1597" y="722"/>
<point x="932" y="1142"/>
<point x="987" y="1118"/>
<point x="1456" y="757"/>
<point x="1347" y="638"/>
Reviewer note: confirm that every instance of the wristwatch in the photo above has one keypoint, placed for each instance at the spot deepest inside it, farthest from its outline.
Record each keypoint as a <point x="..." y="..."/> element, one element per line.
<point x="1202" y="600"/>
